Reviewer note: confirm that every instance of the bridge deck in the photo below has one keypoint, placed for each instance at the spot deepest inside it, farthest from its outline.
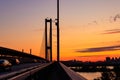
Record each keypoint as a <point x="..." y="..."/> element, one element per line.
<point x="55" y="71"/>
<point x="47" y="71"/>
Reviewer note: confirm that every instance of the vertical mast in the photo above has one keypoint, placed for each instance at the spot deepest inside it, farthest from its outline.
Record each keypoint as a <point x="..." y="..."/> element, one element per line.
<point x="46" y="39"/>
<point x="58" y="35"/>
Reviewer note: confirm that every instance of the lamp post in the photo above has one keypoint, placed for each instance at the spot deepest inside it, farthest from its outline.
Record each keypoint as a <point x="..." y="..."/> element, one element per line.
<point x="58" y="33"/>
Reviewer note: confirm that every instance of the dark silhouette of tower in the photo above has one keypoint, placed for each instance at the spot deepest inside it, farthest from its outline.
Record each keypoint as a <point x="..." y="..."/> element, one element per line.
<point x="48" y="47"/>
<point x="48" y="39"/>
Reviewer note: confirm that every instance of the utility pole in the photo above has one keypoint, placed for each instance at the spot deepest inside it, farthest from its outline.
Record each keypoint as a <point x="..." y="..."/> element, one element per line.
<point x="58" y="33"/>
<point x="30" y="51"/>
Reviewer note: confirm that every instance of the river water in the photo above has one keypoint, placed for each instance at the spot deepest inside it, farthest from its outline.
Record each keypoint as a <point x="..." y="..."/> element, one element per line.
<point x="90" y="75"/>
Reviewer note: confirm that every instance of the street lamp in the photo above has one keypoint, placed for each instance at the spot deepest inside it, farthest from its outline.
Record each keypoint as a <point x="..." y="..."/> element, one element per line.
<point x="58" y="33"/>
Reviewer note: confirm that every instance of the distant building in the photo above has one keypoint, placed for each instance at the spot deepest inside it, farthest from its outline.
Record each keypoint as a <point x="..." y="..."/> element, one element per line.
<point x="108" y="59"/>
<point x="113" y="59"/>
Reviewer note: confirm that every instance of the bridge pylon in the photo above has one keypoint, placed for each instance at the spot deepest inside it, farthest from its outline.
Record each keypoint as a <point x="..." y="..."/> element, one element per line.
<point x="48" y="39"/>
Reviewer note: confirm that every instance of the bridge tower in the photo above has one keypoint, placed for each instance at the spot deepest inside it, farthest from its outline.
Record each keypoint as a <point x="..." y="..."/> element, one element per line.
<point x="48" y="39"/>
<point x="48" y="42"/>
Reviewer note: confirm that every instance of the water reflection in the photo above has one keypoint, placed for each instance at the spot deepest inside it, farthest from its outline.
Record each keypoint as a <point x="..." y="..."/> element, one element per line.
<point x="90" y="75"/>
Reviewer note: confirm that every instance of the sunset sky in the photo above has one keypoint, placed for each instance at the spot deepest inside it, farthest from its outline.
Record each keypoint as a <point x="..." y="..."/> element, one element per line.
<point x="89" y="29"/>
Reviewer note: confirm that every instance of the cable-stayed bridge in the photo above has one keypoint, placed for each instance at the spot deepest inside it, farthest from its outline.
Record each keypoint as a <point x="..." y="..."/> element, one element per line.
<point x="33" y="67"/>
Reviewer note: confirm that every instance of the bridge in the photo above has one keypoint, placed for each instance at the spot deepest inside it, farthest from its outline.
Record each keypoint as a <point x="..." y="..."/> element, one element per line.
<point x="6" y="53"/>
<point x="33" y="67"/>
<point x="37" y="68"/>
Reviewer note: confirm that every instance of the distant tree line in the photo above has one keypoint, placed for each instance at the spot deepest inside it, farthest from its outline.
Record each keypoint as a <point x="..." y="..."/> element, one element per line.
<point x="110" y="75"/>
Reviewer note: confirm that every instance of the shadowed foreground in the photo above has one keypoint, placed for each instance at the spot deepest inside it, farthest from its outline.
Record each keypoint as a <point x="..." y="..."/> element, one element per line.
<point x="55" y="71"/>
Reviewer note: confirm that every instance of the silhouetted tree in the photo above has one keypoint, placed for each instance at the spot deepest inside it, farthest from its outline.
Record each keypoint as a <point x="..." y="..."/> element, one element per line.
<point x="117" y="72"/>
<point x="108" y="76"/>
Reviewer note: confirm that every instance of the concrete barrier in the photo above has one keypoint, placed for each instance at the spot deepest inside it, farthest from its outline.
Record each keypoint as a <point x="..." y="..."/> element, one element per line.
<point x="73" y="75"/>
